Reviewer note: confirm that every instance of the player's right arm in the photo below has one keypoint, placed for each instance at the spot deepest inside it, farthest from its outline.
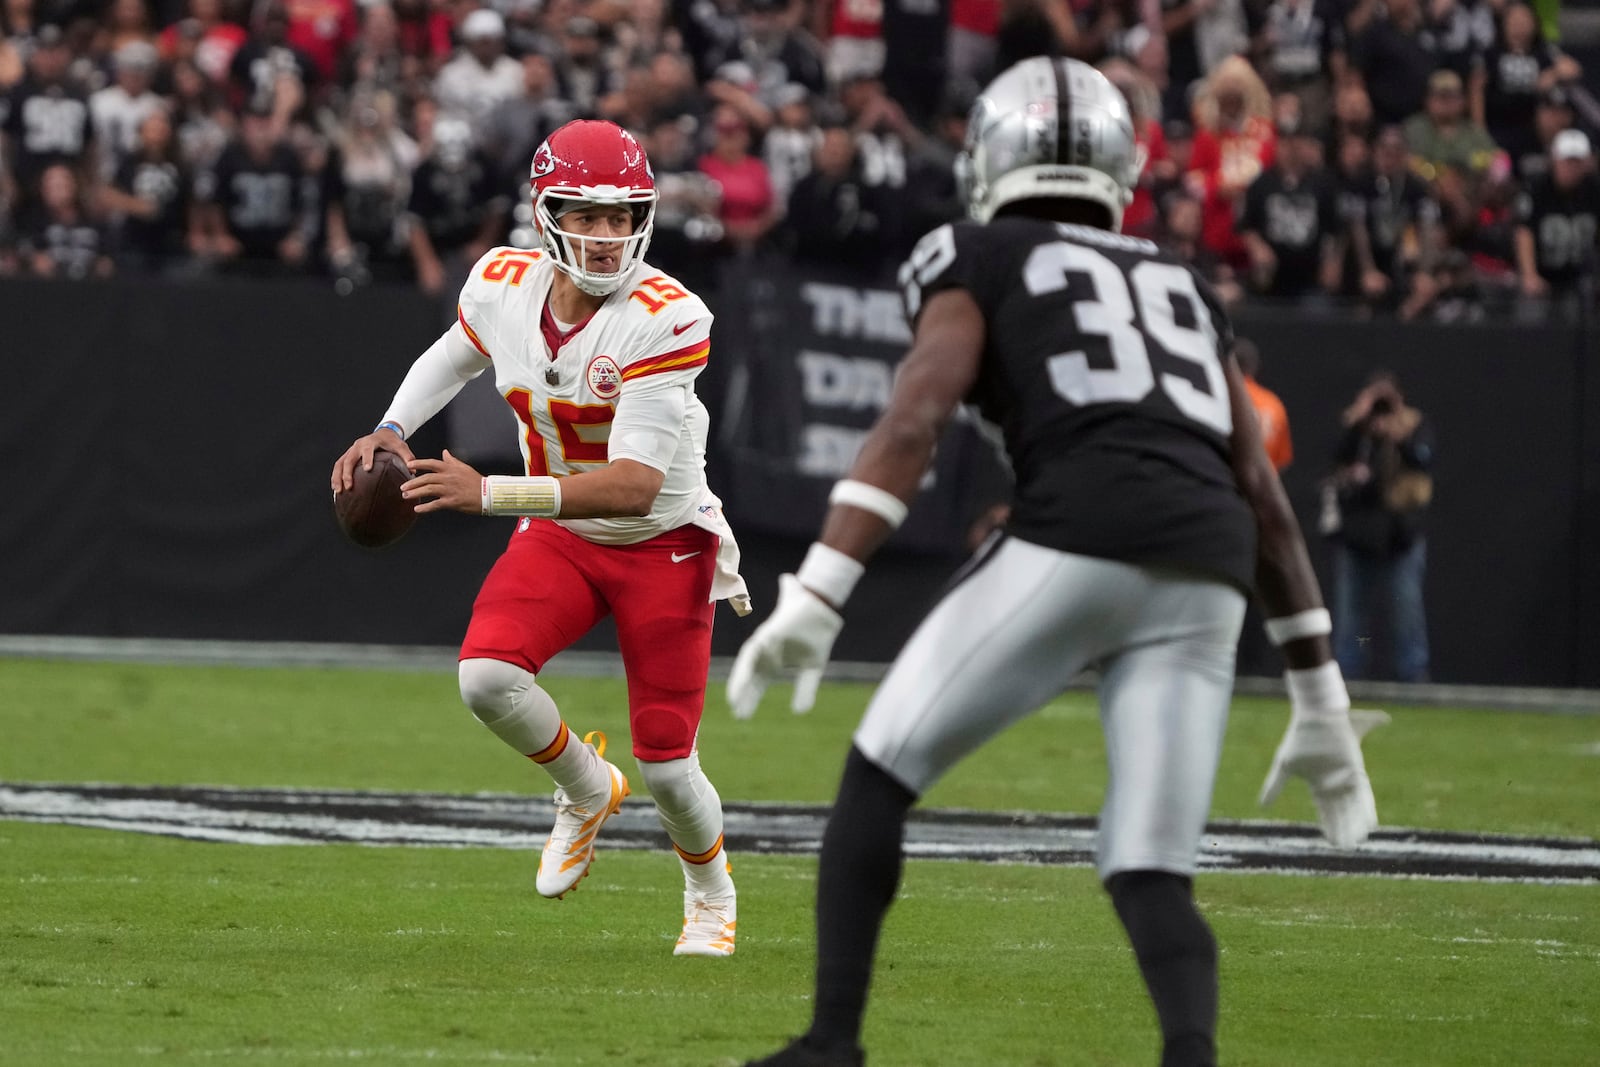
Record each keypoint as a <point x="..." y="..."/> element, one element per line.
<point x="1323" y="742"/>
<point x="434" y="379"/>
<point x="867" y="505"/>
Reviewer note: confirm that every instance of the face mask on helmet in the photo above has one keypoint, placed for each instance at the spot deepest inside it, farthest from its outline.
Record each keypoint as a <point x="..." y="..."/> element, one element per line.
<point x="591" y="163"/>
<point x="1049" y="129"/>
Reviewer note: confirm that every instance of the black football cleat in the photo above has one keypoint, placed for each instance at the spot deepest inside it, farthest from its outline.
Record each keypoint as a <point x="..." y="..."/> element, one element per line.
<point x="800" y="1053"/>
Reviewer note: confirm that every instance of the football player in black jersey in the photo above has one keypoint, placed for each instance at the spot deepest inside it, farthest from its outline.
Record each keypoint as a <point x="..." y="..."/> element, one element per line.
<point x="1145" y="509"/>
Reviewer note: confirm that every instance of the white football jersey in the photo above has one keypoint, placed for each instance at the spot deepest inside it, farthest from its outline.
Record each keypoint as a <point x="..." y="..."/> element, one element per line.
<point x="651" y="334"/>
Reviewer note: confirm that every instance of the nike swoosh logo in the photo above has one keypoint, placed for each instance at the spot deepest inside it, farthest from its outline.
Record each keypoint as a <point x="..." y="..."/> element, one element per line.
<point x="687" y="555"/>
<point x="679" y="329"/>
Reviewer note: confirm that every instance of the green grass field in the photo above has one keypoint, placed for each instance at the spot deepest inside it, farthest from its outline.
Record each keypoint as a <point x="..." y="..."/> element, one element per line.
<point x="119" y="948"/>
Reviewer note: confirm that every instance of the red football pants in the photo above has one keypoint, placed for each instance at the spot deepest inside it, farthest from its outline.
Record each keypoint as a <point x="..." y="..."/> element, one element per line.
<point x="551" y="586"/>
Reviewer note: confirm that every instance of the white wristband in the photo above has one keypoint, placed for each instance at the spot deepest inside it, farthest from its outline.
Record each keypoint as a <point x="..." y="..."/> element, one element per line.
<point x="882" y="503"/>
<point x="1314" y="622"/>
<point x="506" y="495"/>
<point x="1317" y="691"/>
<point x="829" y="573"/>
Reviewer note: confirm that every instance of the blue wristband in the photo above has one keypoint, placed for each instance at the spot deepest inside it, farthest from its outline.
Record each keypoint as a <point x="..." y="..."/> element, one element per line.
<point x="395" y="426"/>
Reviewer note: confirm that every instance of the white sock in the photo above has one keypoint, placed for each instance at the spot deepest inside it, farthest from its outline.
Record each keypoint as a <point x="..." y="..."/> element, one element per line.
<point x="691" y="813"/>
<point x="508" y="700"/>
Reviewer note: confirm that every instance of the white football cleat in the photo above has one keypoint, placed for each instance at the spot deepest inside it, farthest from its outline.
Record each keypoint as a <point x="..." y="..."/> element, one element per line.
<point x="569" y="850"/>
<point x="709" y="922"/>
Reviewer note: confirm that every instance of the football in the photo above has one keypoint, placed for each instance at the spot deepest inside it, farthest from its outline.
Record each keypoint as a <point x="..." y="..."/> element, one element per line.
<point x="372" y="512"/>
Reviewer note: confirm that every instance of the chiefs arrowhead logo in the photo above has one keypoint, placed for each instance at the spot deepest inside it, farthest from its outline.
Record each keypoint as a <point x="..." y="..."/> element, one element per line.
<point x="544" y="161"/>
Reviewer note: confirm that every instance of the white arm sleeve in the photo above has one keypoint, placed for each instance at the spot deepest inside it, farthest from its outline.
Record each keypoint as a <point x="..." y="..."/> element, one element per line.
<point x="649" y="424"/>
<point x="437" y="376"/>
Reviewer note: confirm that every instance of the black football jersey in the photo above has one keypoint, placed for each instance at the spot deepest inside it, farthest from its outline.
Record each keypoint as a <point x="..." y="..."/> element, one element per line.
<point x="1103" y="370"/>
<point x="1565" y="225"/>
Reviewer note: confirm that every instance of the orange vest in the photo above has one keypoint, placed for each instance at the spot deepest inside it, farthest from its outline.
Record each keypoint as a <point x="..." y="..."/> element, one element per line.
<point x="1274" y="423"/>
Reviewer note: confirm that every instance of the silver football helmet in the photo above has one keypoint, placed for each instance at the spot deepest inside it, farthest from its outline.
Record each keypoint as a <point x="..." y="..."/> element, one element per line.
<point x="1049" y="128"/>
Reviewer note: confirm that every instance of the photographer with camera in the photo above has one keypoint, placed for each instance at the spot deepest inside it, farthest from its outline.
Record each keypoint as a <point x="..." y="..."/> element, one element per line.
<point x="1376" y="499"/>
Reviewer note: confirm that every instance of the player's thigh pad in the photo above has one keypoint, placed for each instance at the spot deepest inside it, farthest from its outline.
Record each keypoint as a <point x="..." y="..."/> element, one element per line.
<point x="1010" y="634"/>
<point x="660" y="593"/>
<point x="1164" y="708"/>
<point x="538" y="598"/>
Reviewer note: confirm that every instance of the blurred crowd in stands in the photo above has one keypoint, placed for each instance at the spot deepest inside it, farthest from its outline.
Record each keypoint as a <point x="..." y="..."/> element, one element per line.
<point x="1407" y="157"/>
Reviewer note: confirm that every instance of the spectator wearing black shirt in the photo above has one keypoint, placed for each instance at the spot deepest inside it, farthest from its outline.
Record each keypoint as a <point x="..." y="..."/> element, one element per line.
<point x="365" y="186"/>
<point x="678" y="95"/>
<point x="835" y="215"/>
<point x="200" y="117"/>
<point x="1296" y="49"/>
<point x="47" y="121"/>
<point x="884" y="134"/>
<point x="1395" y="236"/>
<point x="1507" y="84"/>
<point x="1352" y="114"/>
<point x="710" y="30"/>
<point x="1553" y="114"/>
<point x="457" y="209"/>
<point x="376" y="60"/>
<point x="1291" y="223"/>
<point x="582" y="69"/>
<point x="268" y="74"/>
<point x="933" y="196"/>
<point x="1557" y="217"/>
<point x="517" y="126"/>
<point x="153" y="192"/>
<point x="258" y="207"/>
<point x="57" y="237"/>
<point x="1461" y="31"/>
<point x="791" y="141"/>
<point x="1393" y="50"/>
<point x="776" y="51"/>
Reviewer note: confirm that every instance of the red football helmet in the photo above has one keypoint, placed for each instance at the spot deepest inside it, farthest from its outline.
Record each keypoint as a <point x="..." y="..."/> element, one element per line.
<point x="590" y="161"/>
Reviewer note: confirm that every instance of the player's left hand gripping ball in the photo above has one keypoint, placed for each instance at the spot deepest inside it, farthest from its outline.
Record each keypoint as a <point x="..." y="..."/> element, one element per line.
<point x="797" y="636"/>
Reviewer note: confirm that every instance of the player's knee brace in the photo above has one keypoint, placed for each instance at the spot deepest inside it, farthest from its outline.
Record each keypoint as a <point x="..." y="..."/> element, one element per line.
<point x="490" y="687"/>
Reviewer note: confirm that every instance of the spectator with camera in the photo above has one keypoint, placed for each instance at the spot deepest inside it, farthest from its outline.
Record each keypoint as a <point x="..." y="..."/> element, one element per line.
<point x="1378" y="496"/>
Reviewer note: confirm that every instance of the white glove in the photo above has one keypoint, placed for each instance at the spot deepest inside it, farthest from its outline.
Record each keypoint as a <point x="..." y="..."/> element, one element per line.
<point x="1324" y="748"/>
<point x="798" y="635"/>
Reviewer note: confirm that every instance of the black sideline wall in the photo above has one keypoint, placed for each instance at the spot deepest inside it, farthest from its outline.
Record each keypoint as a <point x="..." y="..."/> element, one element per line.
<point x="171" y="447"/>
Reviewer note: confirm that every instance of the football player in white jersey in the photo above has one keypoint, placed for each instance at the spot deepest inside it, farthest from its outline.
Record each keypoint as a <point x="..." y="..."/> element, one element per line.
<point x="596" y="352"/>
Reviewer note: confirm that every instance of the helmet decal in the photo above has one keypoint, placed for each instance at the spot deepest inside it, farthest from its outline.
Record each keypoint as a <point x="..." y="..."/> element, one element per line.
<point x="544" y="161"/>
